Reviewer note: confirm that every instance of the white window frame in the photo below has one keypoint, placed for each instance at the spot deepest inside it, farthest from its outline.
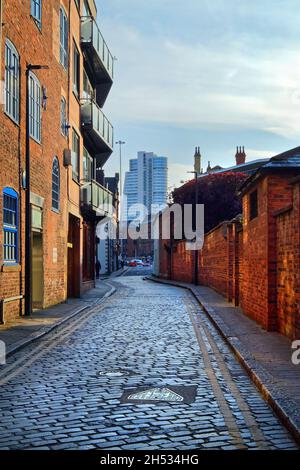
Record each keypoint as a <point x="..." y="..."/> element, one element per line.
<point x="12" y="82"/>
<point x="64" y="38"/>
<point x="63" y="116"/>
<point x="35" y="108"/>
<point x="36" y="11"/>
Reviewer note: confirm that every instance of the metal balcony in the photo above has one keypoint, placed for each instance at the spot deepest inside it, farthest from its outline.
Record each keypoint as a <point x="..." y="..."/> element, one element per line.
<point x="97" y="130"/>
<point x="96" y="200"/>
<point x="99" y="60"/>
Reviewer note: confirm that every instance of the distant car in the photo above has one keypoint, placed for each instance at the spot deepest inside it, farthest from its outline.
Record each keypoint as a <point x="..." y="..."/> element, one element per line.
<point x="132" y="263"/>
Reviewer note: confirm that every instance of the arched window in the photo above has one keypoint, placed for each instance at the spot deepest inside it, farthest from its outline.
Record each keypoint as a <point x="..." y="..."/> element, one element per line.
<point x="55" y="184"/>
<point x="12" y="81"/>
<point x="35" y="97"/>
<point x="10" y="225"/>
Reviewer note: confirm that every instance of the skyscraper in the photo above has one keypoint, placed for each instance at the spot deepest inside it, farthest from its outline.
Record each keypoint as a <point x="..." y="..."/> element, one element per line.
<point x="146" y="183"/>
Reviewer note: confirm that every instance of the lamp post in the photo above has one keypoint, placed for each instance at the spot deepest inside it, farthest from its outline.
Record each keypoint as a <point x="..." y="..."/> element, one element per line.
<point x="195" y="173"/>
<point x="120" y="143"/>
<point x="28" y="263"/>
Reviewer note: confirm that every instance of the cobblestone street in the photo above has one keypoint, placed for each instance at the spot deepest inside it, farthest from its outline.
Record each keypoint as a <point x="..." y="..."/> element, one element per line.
<point x="64" y="391"/>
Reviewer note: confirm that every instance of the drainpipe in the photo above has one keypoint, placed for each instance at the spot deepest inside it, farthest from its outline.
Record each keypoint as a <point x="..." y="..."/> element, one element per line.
<point x="1" y="20"/>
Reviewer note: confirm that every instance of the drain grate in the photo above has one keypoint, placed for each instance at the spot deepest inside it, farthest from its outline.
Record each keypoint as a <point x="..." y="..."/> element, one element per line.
<point x="115" y="373"/>
<point x="170" y="394"/>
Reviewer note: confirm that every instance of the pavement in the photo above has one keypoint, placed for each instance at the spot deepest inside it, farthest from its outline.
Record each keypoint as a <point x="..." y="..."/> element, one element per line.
<point x="266" y="356"/>
<point x="145" y="369"/>
<point x="20" y="332"/>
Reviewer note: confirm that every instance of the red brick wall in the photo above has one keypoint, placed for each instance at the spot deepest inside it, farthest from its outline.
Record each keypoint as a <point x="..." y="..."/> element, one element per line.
<point x="36" y="47"/>
<point x="288" y="268"/>
<point x="257" y="266"/>
<point x="183" y="263"/>
<point x="213" y="260"/>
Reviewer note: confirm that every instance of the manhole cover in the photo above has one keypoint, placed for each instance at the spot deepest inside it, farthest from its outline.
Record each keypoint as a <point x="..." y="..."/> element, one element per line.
<point x="170" y="394"/>
<point x="115" y="373"/>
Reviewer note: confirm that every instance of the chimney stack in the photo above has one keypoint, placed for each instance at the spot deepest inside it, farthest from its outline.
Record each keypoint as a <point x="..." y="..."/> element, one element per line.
<point x="197" y="161"/>
<point x="240" y="156"/>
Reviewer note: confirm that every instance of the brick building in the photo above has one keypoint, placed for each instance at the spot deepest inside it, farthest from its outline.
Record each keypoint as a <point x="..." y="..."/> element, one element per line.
<point x="70" y="141"/>
<point x="253" y="260"/>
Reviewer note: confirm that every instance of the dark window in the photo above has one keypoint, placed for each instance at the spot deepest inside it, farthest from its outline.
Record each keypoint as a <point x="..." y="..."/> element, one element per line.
<point x="75" y="156"/>
<point x="88" y="166"/>
<point x="253" y="205"/>
<point x="55" y="184"/>
<point x="36" y="11"/>
<point x="76" y="70"/>
<point x="12" y="81"/>
<point x="63" y="116"/>
<point x="10" y="225"/>
<point x="64" y="32"/>
<point x="35" y="107"/>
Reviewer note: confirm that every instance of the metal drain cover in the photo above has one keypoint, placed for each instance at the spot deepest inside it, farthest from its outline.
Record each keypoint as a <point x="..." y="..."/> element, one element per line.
<point x="170" y="394"/>
<point x="115" y="373"/>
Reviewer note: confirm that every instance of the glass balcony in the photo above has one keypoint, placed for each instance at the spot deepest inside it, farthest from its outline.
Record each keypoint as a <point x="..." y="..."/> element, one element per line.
<point x="95" y="198"/>
<point x="98" y="57"/>
<point x="97" y="130"/>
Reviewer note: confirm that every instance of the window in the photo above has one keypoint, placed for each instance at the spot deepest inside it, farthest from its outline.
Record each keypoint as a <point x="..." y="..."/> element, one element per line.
<point x="87" y="92"/>
<point x="55" y="184"/>
<point x="88" y="166"/>
<point x="36" y="11"/>
<point x="64" y="31"/>
<point x="75" y="156"/>
<point x="253" y="205"/>
<point x="34" y="108"/>
<point x="76" y="70"/>
<point x="63" y="116"/>
<point x="12" y="81"/>
<point x="10" y="225"/>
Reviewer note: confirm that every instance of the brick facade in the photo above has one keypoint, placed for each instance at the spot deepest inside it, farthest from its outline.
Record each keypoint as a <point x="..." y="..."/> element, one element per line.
<point x="63" y="253"/>
<point x="33" y="46"/>
<point x="255" y="265"/>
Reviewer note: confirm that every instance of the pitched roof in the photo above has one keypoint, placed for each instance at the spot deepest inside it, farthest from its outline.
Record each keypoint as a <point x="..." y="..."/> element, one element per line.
<point x="286" y="161"/>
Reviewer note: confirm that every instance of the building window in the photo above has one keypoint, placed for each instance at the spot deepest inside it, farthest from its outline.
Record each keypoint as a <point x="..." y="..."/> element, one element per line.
<point x="88" y="166"/>
<point x="36" y="11"/>
<point x="75" y="156"/>
<point x="63" y="117"/>
<point x="64" y="31"/>
<point x="10" y="225"/>
<point x="12" y="81"/>
<point x="253" y="205"/>
<point x="55" y="184"/>
<point x="76" y="70"/>
<point x="35" y="108"/>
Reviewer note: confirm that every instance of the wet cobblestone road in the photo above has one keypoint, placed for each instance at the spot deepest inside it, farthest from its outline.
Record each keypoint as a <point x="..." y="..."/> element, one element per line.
<point x="64" y="392"/>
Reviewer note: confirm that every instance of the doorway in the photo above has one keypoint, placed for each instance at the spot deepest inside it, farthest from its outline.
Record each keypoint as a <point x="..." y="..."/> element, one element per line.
<point x="37" y="270"/>
<point x="74" y="257"/>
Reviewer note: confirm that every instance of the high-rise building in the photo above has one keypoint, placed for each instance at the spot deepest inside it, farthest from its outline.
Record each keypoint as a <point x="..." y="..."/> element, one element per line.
<point x="146" y="183"/>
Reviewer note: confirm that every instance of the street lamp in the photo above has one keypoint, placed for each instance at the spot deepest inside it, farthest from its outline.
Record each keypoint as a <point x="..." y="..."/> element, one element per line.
<point x="28" y="294"/>
<point x="195" y="173"/>
<point x="120" y="143"/>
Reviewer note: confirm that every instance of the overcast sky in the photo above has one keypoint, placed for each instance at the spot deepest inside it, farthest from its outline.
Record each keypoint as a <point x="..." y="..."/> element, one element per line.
<point x="213" y="73"/>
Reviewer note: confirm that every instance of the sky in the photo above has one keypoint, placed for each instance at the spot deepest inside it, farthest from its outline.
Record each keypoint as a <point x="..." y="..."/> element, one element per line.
<point x="211" y="73"/>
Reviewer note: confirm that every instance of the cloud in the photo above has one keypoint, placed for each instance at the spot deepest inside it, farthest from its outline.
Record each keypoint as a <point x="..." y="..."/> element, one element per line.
<point x="169" y="81"/>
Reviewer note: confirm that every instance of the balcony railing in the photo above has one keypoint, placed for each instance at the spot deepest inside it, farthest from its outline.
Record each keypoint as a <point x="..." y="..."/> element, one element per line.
<point x="98" y="129"/>
<point x="96" y="198"/>
<point x="91" y="37"/>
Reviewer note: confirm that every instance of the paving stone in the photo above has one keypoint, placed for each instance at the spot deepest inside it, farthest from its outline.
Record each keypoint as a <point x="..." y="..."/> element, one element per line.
<point x="144" y="328"/>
